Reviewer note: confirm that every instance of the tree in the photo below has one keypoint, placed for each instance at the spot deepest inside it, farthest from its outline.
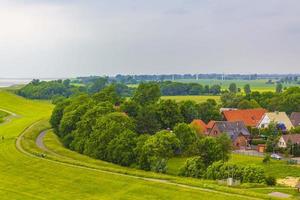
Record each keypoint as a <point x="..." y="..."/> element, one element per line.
<point x="232" y="88"/>
<point x="121" y="148"/>
<point x="209" y="111"/>
<point x="188" y="110"/>
<point x="157" y="148"/>
<point x="147" y="93"/>
<point x="225" y="145"/>
<point x="147" y="119"/>
<point x="97" y="85"/>
<point x="107" y="94"/>
<point x="193" y="167"/>
<point x="247" y="89"/>
<point x="279" y="88"/>
<point x="131" y="108"/>
<point x="107" y="128"/>
<point x="57" y="115"/>
<point x="209" y="150"/>
<point x="169" y="113"/>
<point x="246" y="104"/>
<point x="185" y="134"/>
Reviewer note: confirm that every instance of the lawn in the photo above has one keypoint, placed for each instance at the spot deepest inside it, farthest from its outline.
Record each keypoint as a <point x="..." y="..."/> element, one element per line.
<point x="26" y="177"/>
<point x="3" y="115"/>
<point x="198" y="99"/>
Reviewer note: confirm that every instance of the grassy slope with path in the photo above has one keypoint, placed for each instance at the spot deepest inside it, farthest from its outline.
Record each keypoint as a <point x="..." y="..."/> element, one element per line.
<point x="28" y="177"/>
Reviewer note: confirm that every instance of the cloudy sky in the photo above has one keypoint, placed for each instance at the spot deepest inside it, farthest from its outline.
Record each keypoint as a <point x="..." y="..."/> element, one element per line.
<point x="64" y="38"/>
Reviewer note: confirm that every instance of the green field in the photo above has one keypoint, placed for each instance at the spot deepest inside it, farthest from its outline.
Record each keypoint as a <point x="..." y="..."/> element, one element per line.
<point x="25" y="175"/>
<point x="198" y="99"/>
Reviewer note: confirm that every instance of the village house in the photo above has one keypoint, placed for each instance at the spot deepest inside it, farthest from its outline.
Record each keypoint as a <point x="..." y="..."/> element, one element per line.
<point x="250" y="117"/>
<point x="295" y="118"/>
<point x="200" y="126"/>
<point x="279" y="118"/>
<point x="236" y="131"/>
<point x="285" y="139"/>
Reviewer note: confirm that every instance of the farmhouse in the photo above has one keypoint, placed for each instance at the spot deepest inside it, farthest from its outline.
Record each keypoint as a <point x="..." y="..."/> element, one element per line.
<point x="279" y="118"/>
<point x="236" y="131"/>
<point x="295" y="118"/>
<point x="251" y="117"/>
<point x="285" y="139"/>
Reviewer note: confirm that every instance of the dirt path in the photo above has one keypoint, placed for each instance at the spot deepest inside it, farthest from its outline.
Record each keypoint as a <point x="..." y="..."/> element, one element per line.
<point x="41" y="145"/>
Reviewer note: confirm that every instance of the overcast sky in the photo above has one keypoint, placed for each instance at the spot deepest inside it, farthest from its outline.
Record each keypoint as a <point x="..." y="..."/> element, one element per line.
<point x="67" y="38"/>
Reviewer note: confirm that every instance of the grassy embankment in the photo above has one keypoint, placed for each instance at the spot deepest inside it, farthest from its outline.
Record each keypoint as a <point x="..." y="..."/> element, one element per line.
<point x="24" y="176"/>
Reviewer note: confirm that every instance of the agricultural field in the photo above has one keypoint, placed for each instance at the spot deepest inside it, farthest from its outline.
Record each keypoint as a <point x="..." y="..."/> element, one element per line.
<point x="25" y="173"/>
<point x="198" y="99"/>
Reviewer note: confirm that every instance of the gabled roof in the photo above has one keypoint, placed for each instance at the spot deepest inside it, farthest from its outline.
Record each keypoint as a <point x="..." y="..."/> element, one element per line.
<point x="200" y="124"/>
<point x="232" y="129"/>
<point x="295" y="118"/>
<point x="210" y="124"/>
<point x="294" y="138"/>
<point x="280" y="117"/>
<point x="251" y="117"/>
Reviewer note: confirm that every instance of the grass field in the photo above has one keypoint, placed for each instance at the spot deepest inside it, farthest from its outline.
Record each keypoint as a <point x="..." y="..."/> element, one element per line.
<point x="198" y="99"/>
<point x="27" y="177"/>
<point x="256" y="85"/>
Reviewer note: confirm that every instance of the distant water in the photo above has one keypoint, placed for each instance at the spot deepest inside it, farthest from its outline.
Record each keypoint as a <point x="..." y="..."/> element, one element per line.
<point x="6" y="82"/>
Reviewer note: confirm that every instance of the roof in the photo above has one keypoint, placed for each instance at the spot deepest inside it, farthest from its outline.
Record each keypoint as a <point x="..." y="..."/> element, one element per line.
<point x="280" y="117"/>
<point x="200" y="124"/>
<point x="210" y="124"/>
<point x="295" y="118"/>
<point x="251" y="117"/>
<point x="232" y="129"/>
<point x="294" y="138"/>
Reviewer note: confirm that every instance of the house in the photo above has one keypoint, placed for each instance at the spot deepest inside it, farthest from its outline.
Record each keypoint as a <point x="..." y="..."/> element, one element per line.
<point x="237" y="132"/>
<point x="200" y="126"/>
<point x="251" y="117"/>
<point x="210" y="125"/>
<point x="279" y="118"/>
<point x="295" y="118"/>
<point x="285" y="139"/>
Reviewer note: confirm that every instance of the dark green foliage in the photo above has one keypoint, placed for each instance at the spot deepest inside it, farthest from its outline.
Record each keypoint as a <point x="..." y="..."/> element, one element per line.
<point x="47" y="89"/>
<point x="209" y="111"/>
<point x="246" y="104"/>
<point x="147" y="119"/>
<point x="209" y="149"/>
<point x="169" y="113"/>
<point x="247" y="89"/>
<point x="131" y="108"/>
<point x="233" y="88"/>
<point x="267" y="159"/>
<point x="97" y="84"/>
<point x="193" y="167"/>
<point x="121" y="148"/>
<point x="189" y="111"/>
<point x="186" y="135"/>
<point x="147" y="93"/>
<point x="162" y="145"/>
<point x="57" y="114"/>
<point x="270" y="180"/>
<point x="107" y="94"/>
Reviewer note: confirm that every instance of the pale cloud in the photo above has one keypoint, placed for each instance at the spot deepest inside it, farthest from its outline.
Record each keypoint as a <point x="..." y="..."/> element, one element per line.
<point x="55" y="38"/>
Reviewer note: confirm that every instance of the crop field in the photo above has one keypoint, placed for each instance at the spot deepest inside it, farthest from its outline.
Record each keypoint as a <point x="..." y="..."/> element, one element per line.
<point x="198" y="99"/>
<point x="25" y="175"/>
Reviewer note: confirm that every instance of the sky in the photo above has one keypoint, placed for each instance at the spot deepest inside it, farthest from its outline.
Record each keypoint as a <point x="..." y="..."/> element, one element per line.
<point x="68" y="38"/>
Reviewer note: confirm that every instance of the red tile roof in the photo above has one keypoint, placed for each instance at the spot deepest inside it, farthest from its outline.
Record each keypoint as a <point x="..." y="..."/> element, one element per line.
<point x="201" y="124"/>
<point x="210" y="124"/>
<point x="250" y="117"/>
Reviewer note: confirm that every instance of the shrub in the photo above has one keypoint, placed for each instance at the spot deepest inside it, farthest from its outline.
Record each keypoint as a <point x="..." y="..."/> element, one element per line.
<point x="267" y="158"/>
<point x="270" y="180"/>
<point x="193" y="167"/>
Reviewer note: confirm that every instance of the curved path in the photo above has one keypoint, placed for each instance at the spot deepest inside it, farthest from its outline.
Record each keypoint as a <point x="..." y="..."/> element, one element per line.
<point x="40" y="143"/>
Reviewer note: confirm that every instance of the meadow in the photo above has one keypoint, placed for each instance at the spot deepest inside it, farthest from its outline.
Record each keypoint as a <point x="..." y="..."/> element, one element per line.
<point x="29" y="176"/>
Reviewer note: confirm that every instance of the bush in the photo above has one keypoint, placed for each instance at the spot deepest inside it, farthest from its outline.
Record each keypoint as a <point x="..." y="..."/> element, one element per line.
<point x="267" y="158"/>
<point x="193" y="167"/>
<point x="270" y="180"/>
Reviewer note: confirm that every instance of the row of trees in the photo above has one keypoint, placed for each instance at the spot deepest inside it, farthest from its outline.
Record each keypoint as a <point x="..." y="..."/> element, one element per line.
<point x="136" y="132"/>
<point x="287" y="101"/>
<point x="196" y="167"/>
